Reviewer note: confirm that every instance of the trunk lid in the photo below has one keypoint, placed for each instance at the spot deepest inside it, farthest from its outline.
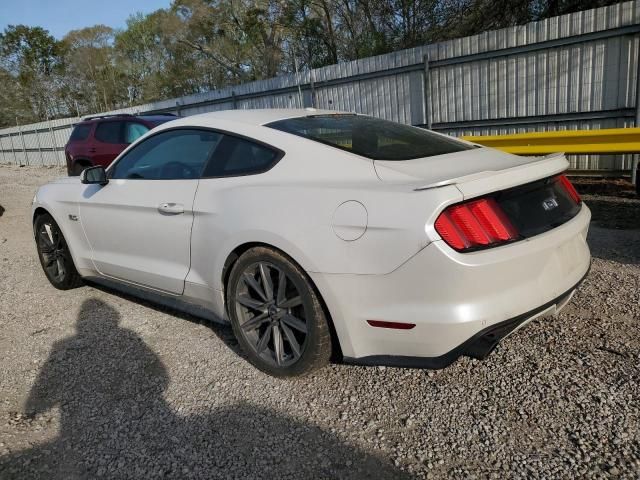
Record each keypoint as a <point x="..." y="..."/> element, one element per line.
<point x="530" y="192"/>
<point x="474" y="172"/>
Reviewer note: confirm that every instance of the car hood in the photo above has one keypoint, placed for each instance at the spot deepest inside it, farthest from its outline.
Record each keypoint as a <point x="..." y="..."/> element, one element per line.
<point x="482" y="165"/>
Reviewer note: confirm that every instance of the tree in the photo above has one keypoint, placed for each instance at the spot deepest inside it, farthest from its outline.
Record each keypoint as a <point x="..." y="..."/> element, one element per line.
<point x="142" y="56"/>
<point x="12" y="102"/>
<point x="92" y="80"/>
<point x="31" y="57"/>
<point x="243" y="39"/>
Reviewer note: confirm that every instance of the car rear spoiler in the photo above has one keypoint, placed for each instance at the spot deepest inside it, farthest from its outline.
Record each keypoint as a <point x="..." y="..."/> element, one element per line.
<point x="536" y="169"/>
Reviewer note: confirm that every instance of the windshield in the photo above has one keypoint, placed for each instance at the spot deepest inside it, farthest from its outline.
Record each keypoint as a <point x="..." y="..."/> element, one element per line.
<point x="371" y="137"/>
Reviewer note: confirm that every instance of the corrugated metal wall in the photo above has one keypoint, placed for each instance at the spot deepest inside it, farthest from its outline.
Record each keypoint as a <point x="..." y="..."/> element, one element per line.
<point x="568" y="72"/>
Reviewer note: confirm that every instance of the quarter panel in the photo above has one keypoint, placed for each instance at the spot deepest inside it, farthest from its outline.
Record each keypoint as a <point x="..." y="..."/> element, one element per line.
<point x="294" y="212"/>
<point x="451" y="296"/>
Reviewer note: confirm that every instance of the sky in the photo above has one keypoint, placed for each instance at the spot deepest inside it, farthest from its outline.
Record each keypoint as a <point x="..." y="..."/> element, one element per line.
<point x="61" y="16"/>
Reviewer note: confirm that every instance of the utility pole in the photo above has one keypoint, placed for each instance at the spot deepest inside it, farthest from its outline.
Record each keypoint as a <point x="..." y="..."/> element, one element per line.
<point x="312" y="76"/>
<point x="295" y="66"/>
<point x="427" y="93"/>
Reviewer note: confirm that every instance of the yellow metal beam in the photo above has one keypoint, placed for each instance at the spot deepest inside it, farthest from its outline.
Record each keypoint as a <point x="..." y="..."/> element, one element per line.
<point x="606" y="141"/>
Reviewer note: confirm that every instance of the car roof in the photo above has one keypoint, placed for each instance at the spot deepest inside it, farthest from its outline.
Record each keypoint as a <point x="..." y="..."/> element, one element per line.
<point x="260" y="116"/>
<point x="256" y="117"/>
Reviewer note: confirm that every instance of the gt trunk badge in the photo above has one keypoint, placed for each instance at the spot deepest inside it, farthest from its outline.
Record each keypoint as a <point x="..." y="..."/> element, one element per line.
<point x="549" y="203"/>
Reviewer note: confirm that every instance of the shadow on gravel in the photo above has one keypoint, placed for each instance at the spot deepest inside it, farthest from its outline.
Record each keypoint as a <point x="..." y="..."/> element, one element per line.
<point x="108" y="386"/>
<point x="622" y="246"/>
<point x="1" y="210"/>
<point x="614" y="212"/>
<point x="222" y="330"/>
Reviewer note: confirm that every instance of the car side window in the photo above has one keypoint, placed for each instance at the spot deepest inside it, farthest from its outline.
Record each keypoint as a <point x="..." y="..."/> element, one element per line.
<point x="133" y="131"/>
<point x="80" y="132"/>
<point x="237" y="156"/>
<point x="171" y="155"/>
<point x="109" y="132"/>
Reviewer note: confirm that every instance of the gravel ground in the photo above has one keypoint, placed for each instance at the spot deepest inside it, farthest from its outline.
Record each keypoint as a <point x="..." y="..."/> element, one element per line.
<point x="97" y="384"/>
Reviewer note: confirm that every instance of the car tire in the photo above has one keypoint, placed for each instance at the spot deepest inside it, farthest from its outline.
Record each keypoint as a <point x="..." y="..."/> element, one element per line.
<point x="276" y="314"/>
<point x="54" y="254"/>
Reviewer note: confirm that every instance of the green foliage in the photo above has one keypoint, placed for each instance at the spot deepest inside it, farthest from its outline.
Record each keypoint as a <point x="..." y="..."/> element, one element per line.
<point x="200" y="45"/>
<point x="30" y="60"/>
<point x="28" y="50"/>
<point x="91" y="80"/>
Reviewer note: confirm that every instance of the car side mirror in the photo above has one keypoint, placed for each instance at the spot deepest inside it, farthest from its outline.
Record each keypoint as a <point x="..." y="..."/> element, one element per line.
<point x="94" y="175"/>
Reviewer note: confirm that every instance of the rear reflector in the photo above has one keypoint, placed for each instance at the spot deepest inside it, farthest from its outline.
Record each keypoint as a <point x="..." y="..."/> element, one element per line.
<point x="396" y="325"/>
<point x="571" y="190"/>
<point x="475" y="224"/>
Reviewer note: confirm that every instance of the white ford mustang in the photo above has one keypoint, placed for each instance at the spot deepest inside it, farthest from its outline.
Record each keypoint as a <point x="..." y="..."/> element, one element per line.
<point x="316" y="232"/>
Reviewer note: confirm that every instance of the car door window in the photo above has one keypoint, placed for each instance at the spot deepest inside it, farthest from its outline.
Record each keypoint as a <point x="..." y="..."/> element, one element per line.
<point x="171" y="155"/>
<point x="109" y="132"/>
<point x="237" y="156"/>
<point x="80" y="132"/>
<point x="133" y="131"/>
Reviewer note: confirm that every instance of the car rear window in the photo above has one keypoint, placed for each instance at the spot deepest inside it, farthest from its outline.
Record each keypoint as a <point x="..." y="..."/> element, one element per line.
<point x="371" y="137"/>
<point x="80" y="132"/>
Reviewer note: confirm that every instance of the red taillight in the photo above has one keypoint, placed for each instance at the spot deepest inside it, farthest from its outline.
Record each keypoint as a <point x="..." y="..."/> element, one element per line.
<point x="474" y="224"/>
<point x="568" y="186"/>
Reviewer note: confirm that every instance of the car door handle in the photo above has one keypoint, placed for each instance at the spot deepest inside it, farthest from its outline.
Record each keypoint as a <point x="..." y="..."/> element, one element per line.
<point x="171" y="208"/>
<point x="92" y="150"/>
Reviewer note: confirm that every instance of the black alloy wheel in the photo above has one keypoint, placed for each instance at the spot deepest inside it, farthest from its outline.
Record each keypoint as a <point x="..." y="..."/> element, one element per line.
<point x="276" y="314"/>
<point x="54" y="254"/>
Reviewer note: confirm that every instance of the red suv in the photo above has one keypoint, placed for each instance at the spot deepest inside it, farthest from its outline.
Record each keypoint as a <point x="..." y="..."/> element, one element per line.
<point x="99" y="140"/>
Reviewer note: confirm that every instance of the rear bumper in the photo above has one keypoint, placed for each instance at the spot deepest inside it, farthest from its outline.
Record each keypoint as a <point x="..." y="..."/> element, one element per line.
<point x="460" y="303"/>
<point x="479" y="346"/>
